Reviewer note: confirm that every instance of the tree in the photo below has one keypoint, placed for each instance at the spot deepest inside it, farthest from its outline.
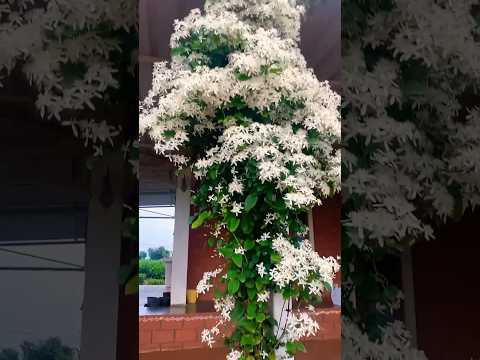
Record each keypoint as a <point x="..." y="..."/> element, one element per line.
<point x="9" y="354"/>
<point x="142" y="255"/>
<point x="158" y="253"/>
<point x="50" y="349"/>
<point x="239" y="107"/>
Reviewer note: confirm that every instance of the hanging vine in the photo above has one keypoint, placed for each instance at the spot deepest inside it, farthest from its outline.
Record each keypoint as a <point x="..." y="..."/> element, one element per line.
<point x="238" y="105"/>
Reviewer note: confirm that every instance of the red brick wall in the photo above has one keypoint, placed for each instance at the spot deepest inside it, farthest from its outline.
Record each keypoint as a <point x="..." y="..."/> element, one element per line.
<point x="182" y="332"/>
<point x="327" y="229"/>
<point x="201" y="258"/>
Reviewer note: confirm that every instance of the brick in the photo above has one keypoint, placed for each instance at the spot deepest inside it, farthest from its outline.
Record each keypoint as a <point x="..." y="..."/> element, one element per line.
<point x="194" y="323"/>
<point x="151" y="324"/>
<point x="149" y="348"/>
<point x="172" y="323"/>
<point x="162" y="336"/>
<point x="185" y="335"/>
<point x="145" y="338"/>
<point x="171" y="347"/>
<point x="192" y="345"/>
<point x="211" y="322"/>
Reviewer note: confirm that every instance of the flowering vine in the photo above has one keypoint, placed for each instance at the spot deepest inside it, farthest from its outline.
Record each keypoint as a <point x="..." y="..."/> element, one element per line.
<point x="238" y="105"/>
<point x="410" y="158"/>
<point x="79" y="57"/>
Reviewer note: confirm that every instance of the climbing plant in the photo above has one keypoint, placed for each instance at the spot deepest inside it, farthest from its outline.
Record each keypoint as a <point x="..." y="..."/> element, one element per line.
<point x="410" y="159"/>
<point x="238" y="106"/>
<point x="79" y="59"/>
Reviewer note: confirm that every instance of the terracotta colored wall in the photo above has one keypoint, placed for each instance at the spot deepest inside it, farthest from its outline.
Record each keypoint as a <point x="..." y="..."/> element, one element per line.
<point x="201" y="258"/>
<point x="327" y="231"/>
<point x="160" y="334"/>
<point x="447" y="294"/>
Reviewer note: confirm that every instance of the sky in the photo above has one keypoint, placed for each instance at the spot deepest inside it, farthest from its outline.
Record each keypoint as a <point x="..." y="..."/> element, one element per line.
<point x="41" y="304"/>
<point x="156" y="232"/>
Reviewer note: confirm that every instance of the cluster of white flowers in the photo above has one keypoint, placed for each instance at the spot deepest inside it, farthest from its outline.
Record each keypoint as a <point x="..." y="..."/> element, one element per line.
<point x="420" y="155"/>
<point x="224" y="307"/>
<point x="276" y="148"/>
<point x="204" y="284"/>
<point x="234" y="355"/>
<point x="300" y="325"/>
<point x="395" y="345"/>
<point x="302" y="265"/>
<point x="235" y="187"/>
<point x="283" y="15"/>
<point x="275" y="73"/>
<point x="44" y="39"/>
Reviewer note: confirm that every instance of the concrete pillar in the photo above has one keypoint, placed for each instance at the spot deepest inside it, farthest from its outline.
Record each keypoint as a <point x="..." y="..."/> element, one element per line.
<point x="180" y="242"/>
<point x="102" y="260"/>
<point x="280" y="313"/>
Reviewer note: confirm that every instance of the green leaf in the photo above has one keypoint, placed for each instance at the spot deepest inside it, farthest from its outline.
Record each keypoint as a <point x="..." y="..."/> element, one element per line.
<point x="247" y="225"/>
<point x="250" y="202"/>
<point x="204" y="215"/>
<point x="242" y="277"/>
<point x="248" y="325"/>
<point x="178" y="51"/>
<point x="291" y="348"/>
<point x="276" y="258"/>
<point x="301" y="347"/>
<point x="252" y="293"/>
<point x="260" y="317"/>
<point x="259" y="285"/>
<point x="227" y="252"/>
<point x="237" y="259"/>
<point x="233" y="286"/>
<point x="247" y="340"/>
<point x="169" y="133"/>
<point x="233" y="223"/>
<point x="251" y="311"/>
<point x="237" y="313"/>
<point x="249" y="244"/>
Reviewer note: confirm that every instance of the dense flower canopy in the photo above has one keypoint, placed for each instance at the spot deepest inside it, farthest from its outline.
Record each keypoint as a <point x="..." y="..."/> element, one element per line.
<point x="239" y="106"/>
<point x="72" y="54"/>
<point x="244" y="86"/>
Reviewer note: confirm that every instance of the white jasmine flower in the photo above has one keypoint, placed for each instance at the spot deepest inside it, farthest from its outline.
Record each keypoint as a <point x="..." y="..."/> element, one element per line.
<point x="204" y="285"/>
<point x="270" y="218"/>
<point x="240" y="250"/>
<point x="264" y="237"/>
<point x="237" y="208"/>
<point x="264" y="354"/>
<point x="207" y="337"/>
<point x="234" y="355"/>
<point x="224" y="306"/>
<point x="263" y="297"/>
<point x="299" y="326"/>
<point x="261" y="270"/>
<point x="235" y="187"/>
